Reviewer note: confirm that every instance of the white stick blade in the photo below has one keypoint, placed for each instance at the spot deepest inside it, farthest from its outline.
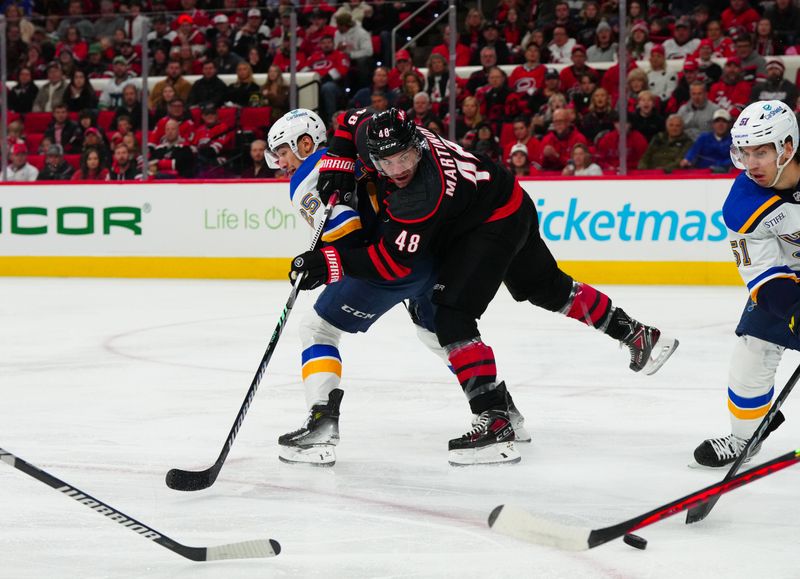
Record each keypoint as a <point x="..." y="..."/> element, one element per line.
<point x="257" y="549"/>
<point x="520" y="524"/>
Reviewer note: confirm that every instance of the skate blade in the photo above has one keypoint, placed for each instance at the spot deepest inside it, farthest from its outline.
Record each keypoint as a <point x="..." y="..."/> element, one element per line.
<point x="491" y="455"/>
<point x="522" y="435"/>
<point x="662" y="351"/>
<point x="319" y="456"/>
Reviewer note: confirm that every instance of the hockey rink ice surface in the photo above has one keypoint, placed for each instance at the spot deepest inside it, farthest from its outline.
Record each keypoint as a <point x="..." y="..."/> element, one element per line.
<point x="108" y="384"/>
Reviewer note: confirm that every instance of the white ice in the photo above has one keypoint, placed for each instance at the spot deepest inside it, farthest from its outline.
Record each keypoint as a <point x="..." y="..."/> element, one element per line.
<point x="109" y="383"/>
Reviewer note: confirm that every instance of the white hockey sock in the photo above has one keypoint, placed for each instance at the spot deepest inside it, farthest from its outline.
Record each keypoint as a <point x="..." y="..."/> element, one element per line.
<point x="751" y="383"/>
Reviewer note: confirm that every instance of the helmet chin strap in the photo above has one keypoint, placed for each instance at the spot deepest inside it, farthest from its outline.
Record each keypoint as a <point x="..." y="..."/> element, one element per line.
<point x="781" y="166"/>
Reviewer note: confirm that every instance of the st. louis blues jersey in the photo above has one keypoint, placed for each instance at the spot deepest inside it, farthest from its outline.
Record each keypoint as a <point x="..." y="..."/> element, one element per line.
<point x="764" y="232"/>
<point x="304" y="196"/>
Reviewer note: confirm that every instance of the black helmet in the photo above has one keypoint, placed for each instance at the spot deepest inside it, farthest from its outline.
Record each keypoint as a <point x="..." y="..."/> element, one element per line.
<point x="390" y="132"/>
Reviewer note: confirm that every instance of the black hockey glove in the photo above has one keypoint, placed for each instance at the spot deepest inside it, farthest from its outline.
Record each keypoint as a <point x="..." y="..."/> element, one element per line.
<point x="336" y="174"/>
<point x="317" y="267"/>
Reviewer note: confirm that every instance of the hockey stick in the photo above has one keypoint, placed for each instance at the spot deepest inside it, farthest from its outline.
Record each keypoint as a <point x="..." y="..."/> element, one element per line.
<point x="700" y="512"/>
<point x="187" y="480"/>
<point x="261" y="548"/>
<point x="521" y="524"/>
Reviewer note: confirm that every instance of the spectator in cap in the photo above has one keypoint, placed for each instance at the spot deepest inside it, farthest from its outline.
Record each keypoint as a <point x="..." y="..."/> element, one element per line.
<point x="639" y="44"/>
<point x="403" y="66"/>
<point x="254" y="34"/>
<point x="19" y="170"/>
<point x="176" y="110"/>
<point x="226" y="60"/>
<point x="730" y="92"/>
<point x="175" y="80"/>
<point x="680" y="95"/>
<point x="221" y="28"/>
<point x="540" y="103"/>
<point x="604" y="48"/>
<point x="775" y="86"/>
<point x="22" y="95"/>
<point x="667" y="149"/>
<point x="111" y="95"/>
<point x="698" y="111"/>
<point x="753" y="64"/>
<point x="661" y="82"/>
<point x="480" y="77"/>
<point x="93" y="138"/>
<point x="80" y="93"/>
<point x="571" y="74"/>
<point x="209" y="88"/>
<point x="95" y="65"/>
<point x="55" y="167"/>
<point x="463" y="53"/>
<point x="681" y="44"/>
<point x="712" y="148"/>
<point x="766" y="44"/>
<point x="561" y="46"/>
<point x="352" y="40"/>
<point x="517" y="161"/>
<point x="740" y="13"/>
<point x="490" y="36"/>
<point x="580" y="163"/>
<point x="486" y="143"/>
<point x="357" y="9"/>
<point x="51" y="93"/>
<point x="785" y="18"/>
<point x="189" y="34"/>
<point x="108" y="22"/>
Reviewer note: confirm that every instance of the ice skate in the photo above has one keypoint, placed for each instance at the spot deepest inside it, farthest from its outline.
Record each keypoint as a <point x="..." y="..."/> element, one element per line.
<point x="650" y="349"/>
<point x="491" y="441"/>
<point x="314" y="443"/>
<point x="521" y="433"/>
<point x="720" y="452"/>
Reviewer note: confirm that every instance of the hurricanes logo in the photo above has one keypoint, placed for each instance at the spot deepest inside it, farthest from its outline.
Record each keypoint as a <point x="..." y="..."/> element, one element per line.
<point x="298" y="262"/>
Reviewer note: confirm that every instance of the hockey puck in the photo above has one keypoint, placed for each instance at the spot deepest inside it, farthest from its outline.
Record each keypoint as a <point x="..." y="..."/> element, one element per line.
<point x="635" y="541"/>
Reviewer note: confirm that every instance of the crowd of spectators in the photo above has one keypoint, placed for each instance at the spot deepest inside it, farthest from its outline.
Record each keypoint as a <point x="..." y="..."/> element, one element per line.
<point x="543" y="99"/>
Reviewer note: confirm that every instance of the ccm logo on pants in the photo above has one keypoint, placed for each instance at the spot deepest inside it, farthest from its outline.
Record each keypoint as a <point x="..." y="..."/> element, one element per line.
<point x="356" y="313"/>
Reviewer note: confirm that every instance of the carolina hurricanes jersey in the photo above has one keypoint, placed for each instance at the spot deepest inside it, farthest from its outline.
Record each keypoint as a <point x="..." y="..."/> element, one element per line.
<point x="764" y="232"/>
<point x="452" y="192"/>
<point x="304" y="196"/>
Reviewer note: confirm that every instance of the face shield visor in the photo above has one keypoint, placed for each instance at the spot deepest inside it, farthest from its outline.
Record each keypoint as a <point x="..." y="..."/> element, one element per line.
<point x="398" y="165"/>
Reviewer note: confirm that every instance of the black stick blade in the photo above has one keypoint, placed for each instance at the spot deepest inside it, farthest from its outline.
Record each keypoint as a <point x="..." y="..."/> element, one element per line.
<point x="186" y="480"/>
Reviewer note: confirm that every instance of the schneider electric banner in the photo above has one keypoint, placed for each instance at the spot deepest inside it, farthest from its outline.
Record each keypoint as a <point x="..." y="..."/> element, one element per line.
<point x="641" y="227"/>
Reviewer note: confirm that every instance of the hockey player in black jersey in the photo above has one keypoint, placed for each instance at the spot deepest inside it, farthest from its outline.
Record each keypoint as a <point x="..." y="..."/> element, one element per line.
<point x="474" y="219"/>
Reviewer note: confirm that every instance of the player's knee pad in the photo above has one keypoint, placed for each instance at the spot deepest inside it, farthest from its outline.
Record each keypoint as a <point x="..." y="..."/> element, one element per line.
<point x="321" y="362"/>
<point x="315" y="330"/>
<point x="553" y="294"/>
<point x="751" y="382"/>
<point x="453" y="325"/>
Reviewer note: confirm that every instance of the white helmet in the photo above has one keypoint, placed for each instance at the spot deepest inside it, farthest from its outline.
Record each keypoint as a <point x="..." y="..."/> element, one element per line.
<point x="760" y="123"/>
<point x="288" y="129"/>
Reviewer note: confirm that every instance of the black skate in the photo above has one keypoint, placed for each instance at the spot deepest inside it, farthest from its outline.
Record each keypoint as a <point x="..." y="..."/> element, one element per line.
<point x="649" y="349"/>
<point x="719" y="452"/>
<point x="521" y="433"/>
<point x="491" y="441"/>
<point x="315" y="441"/>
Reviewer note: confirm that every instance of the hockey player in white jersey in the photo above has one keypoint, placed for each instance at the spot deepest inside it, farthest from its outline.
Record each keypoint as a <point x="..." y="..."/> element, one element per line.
<point x="762" y="214"/>
<point x="295" y="144"/>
